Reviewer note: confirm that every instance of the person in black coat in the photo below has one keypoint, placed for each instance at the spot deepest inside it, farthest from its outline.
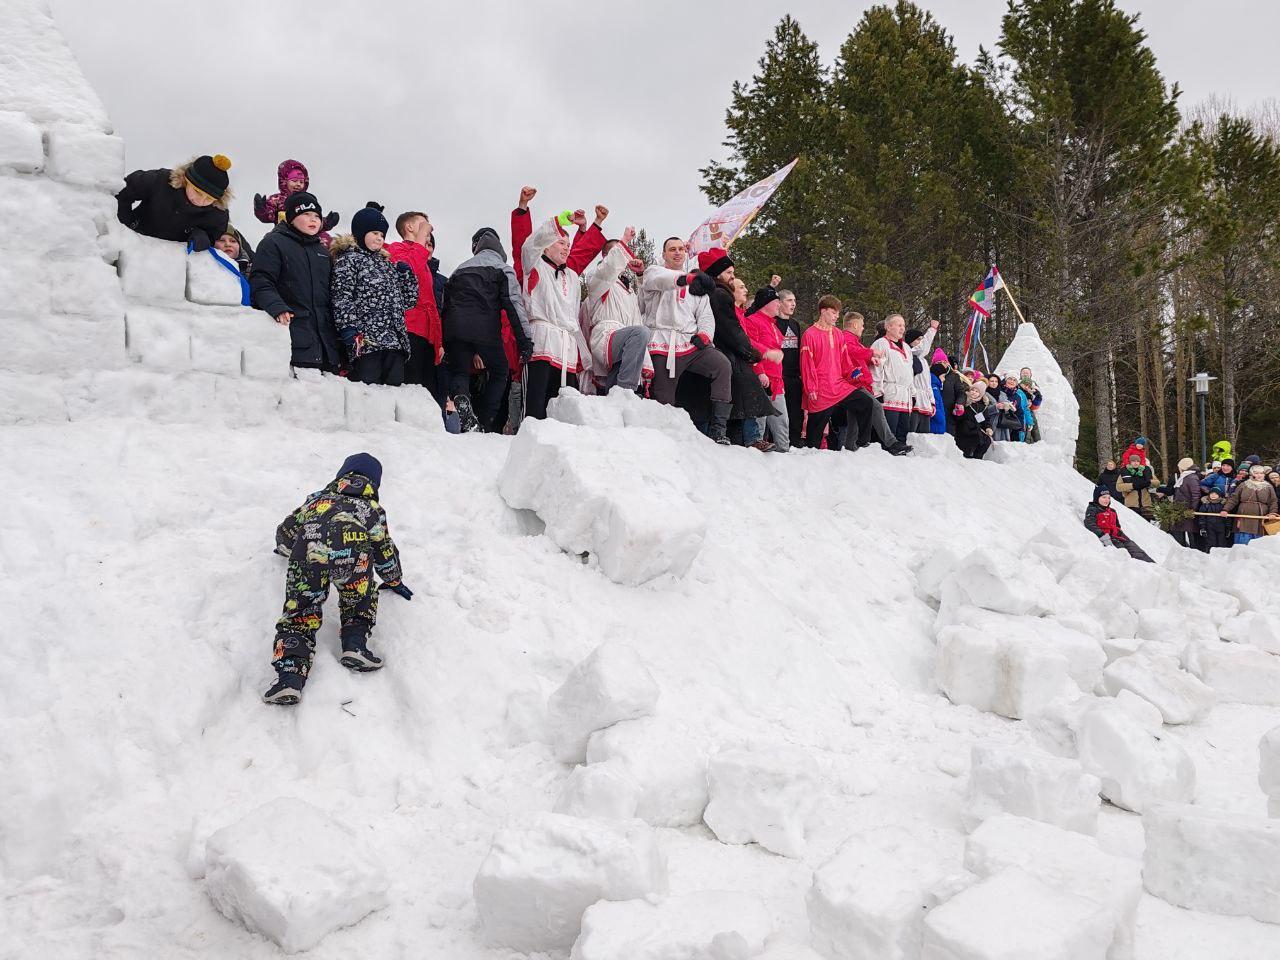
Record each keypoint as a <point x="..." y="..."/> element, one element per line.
<point x="954" y="390"/>
<point x="185" y="204"/>
<point x="973" y="424"/>
<point x="1108" y="477"/>
<point x="792" y="384"/>
<point x="290" y="281"/>
<point x="1214" y="531"/>
<point x="438" y="279"/>
<point x="750" y="399"/>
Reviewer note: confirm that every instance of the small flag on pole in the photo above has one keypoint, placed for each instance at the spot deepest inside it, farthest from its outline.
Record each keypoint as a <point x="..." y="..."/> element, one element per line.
<point x="982" y="300"/>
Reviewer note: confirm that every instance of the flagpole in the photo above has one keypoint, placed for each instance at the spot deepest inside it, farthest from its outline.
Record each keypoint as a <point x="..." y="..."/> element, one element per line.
<point x="1009" y="293"/>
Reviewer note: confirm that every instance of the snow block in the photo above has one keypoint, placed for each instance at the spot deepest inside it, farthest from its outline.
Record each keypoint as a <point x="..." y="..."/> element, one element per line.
<point x="612" y="684"/>
<point x="294" y="893"/>
<point x="707" y="925"/>
<point x="667" y="761"/>
<point x="158" y="338"/>
<point x="606" y="791"/>
<point x="1253" y="628"/>
<point x="1028" y="784"/>
<point x="68" y="217"/>
<point x="621" y="408"/>
<point x="40" y="77"/>
<point x="239" y="401"/>
<point x="315" y="404"/>
<point x="1269" y="763"/>
<point x="1165" y="625"/>
<point x="31" y="399"/>
<point x="369" y="406"/>
<point x="1065" y="861"/>
<point x="762" y="794"/>
<point x="59" y="345"/>
<point x="537" y="879"/>
<point x="210" y="279"/>
<point x="1212" y="860"/>
<point x="417" y="408"/>
<point x="1121" y="742"/>
<point x="1013" y="916"/>
<point x="935" y="566"/>
<point x="869" y="900"/>
<point x="1160" y="680"/>
<point x="215" y="348"/>
<point x="85" y="157"/>
<point x="1077" y="638"/>
<point x="265" y="351"/>
<point x="1236" y="673"/>
<point x="999" y="674"/>
<point x="21" y="144"/>
<point x="25" y="290"/>
<point x="151" y="270"/>
<point x="84" y="287"/>
<point x="988" y="582"/>
<point x="619" y="495"/>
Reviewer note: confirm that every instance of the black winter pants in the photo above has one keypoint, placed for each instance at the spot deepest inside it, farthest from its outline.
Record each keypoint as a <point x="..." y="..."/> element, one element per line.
<point x="421" y="368"/>
<point x="857" y="410"/>
<point x="458" y="355"/>
<point x="974" y="448"/>
<point x="380" y="366"/>
<point x="795" y="409"/>
<point x="541" y="383"/>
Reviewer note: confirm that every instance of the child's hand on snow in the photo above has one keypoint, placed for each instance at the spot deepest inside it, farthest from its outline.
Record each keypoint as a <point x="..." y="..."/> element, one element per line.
<point x="396" y="587"/>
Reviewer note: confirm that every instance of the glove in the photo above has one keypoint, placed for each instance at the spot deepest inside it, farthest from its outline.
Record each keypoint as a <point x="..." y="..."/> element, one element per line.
<point x="200" y="241"/>
<point x="1105" y="539"/>
<point x="404" y="267"/>
<point x="353" y="339"/>
<point x="397" y="587"/>
<point x="702" y="285"/>
<point x="526" y="352"/>
<point x="700" y="341"/>
<point x="260" y="207"/>
<point x="331" y="220"/>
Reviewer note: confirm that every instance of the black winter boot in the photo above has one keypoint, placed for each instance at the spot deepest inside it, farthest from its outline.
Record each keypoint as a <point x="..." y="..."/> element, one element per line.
<point x="356" y="654"/>
<point x="720" y="412"/>
<point x="468" y="422"/>
<point x="287" y="690"/>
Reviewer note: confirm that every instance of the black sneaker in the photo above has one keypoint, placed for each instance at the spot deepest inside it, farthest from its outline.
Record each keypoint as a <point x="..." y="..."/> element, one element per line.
<point x="356" y="656"/>
<point x="468" y="422"/>
<point x="899" y="450"/>
<point x="286" y="691"/>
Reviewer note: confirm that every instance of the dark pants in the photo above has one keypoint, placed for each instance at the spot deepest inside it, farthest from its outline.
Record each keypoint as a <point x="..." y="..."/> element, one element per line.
<point x="421" y="368"/>
<point x="332" y="556"/>
<point x="458" y="355"/>
<point x="1132" y="549"/>
<point x="380" y="366"/>
<point x="541" y="383"/>
<point x="709" y="363"/>
<point x="795" y="409"/>
<point x="974" y="448"/>
<point x="857" y="408"/>
<point x="1190" y="540"/>
<point x="899" y="423"/>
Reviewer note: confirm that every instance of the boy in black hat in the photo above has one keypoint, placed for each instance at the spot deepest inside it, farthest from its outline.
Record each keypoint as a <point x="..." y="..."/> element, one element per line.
<point x="333" y="538"/>
<point x="290" y="281"/>
<point x="187" y="203"/>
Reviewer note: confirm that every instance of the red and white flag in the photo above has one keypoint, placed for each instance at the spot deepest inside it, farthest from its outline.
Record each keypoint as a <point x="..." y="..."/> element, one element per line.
<point x="727" y="223"/>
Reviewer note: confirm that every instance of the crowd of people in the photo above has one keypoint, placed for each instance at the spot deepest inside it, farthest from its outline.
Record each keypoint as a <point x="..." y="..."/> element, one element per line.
<point x="498" y="339"/>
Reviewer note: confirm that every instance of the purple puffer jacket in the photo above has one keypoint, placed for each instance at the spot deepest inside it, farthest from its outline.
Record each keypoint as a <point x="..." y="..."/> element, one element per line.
<point x="272" y="207"/>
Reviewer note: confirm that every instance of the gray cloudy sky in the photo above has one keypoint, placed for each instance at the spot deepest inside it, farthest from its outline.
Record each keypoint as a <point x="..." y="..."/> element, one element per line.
<point x="450" y="106"/>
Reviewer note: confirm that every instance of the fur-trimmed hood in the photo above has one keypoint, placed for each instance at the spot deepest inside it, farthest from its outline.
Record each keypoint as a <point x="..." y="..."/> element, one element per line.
<point x="178" y="179"/>
<point x="345" y="243"/>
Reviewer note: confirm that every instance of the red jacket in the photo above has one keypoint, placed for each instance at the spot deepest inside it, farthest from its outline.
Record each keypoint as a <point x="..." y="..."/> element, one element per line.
<point x="862" y="357"/>
<point x="1133" y="451"/>
<point x="422" y="319"/>
<point x="825" y="368"/>
<point x="765" y="336"/>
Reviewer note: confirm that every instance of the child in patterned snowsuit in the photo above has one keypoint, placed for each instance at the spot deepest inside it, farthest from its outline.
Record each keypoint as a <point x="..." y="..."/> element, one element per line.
<point x="335" y="537"/>
<point x="292" y="177"/>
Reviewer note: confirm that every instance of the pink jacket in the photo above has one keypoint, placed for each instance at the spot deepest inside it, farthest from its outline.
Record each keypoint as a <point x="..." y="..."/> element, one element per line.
<point x="765" y="336"/>
<point x="825" y="368"/>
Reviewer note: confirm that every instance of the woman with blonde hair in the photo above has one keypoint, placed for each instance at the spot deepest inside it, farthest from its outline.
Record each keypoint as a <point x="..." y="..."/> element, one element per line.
<point x="187" y="203"/>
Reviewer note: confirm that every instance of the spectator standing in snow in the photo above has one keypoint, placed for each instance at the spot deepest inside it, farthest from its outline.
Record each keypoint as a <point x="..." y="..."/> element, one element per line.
<point x="1274" y="479"/>
<point x="1135" y="485"/>
<point x="1215" y="531"/>
<point x="1008" y="397"/>
<point x="334" y="538"/>
<point x="1101" y="520"/>
<point x="290" y="281"/>
<point x="186" y="204"/>
<point x="422" y="320"/>
<point x="793" y="388"/>
<point x="370" y="295"/>
<point x="1223" y="479"/>
<point x="894" y="376"/>
<point x="972" y="423"/>
<point x="1032" y="391"/>
<point x="955" y="389"/>
<point x="551" y="266"/>
<point x="233" y="245"/>
<point x="291" y="177"/>
<point x="829" y="373"/>
<point x="922" y="404"/>
<point x="939" y="367"/>
<point x="1253" y="497"/>
<point x="1109" y="477"/>
<point x="766" y="337"/>
<point x="1186" y="493"/>
<point x="1222" y="451"/>
<point x="865" y="361"/>
<point x="619" y="339"/>
<point x="1136" y="449"/>
<point x="478" y="295"/>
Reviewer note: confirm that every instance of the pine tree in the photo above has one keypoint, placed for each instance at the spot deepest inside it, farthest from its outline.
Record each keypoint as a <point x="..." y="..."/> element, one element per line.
<point x="643" y="247"/>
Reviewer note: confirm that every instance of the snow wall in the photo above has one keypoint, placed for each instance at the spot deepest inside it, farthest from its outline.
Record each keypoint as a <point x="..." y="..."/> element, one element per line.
<point x="653" y="698"/>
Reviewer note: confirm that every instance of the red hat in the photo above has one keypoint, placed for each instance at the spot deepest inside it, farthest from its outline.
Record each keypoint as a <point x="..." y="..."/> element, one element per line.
<point x="714" y="261"/>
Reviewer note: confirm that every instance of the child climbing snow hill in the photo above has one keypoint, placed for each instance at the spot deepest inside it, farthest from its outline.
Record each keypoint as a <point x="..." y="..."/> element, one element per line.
<point x="333" y="538"/>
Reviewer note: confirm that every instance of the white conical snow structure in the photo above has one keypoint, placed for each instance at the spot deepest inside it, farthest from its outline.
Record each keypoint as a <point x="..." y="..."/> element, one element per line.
<point x="1059" y="415"/>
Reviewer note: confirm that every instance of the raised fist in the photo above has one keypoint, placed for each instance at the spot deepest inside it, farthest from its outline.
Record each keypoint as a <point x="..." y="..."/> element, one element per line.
<point x="580" y="218"/>
<point x="628" y="235"/>
<point x="601" y="213"/>
<point x="527" y="194"/>
<point x="775" y="280"/>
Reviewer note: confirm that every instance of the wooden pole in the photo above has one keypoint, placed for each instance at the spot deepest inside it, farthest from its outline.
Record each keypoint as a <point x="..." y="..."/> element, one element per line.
<point x="1009" y="293"/>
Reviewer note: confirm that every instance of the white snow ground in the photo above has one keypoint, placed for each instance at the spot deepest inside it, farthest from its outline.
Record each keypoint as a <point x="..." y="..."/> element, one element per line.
<point x="138" y="592"/>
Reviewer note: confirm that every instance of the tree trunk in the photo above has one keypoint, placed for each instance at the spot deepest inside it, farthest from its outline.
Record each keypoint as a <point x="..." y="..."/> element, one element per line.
<point x="1104" y="440"/>
<point x="1168" y="456"/>
<point x="1180" y="375"/>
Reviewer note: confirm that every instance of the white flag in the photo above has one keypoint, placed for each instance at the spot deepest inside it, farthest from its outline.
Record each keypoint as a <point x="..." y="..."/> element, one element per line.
<point x="725" y="224"/>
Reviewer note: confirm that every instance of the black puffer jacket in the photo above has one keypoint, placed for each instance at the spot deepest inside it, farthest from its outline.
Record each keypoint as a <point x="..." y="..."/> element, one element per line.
<point x="370" y="296"/>
<point x="477" y="294"/>
<point x="291" y="274"/>
<point x="750" y="399"/>
<point x="164" y="212"/>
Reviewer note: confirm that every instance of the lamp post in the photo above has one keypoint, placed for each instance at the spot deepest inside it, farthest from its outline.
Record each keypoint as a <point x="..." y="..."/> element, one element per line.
<point x="1201" y="380"/>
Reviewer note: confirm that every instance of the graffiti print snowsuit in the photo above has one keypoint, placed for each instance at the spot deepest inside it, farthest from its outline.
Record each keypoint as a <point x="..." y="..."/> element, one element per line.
<point x="335" y="537"/>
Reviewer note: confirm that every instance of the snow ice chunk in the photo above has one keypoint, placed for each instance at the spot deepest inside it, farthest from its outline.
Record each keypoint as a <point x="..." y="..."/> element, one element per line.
<point x="699" y="926"/>
<point x="610" y="685"/>
<point x="315" y="404"/>
<point x="1211" y="860"/>
<point x="1030" y="784"/>
<point x="1083" y="652"/>
<point x="85" y="157"/>
<point x="293" y="886"/>
<point x="417" y="408"/>
<point x="55" y="344"/>
<point x="999" y="674"/>
<point x="1121" y="742"/>
<point x="669" y="763"/>
<point x="620" y="495"/>
<point x="1014" y="916"/>
<point x="1170" y="626"/>
<point x="31" y="399"/>
<point x="1256" y="629"/>
<point x="1236" y="673"/>
<point x="159" y="338"/>
<point x="604" y="790"/>
<point x="620" y="408"/>
<point x="999" y="584"/>
<point x="21" y="144"/>
<point x="245" y="402"/>
<point x="1065" y="861"/>
<point x="1143" y="586"/>
<point x="537" y="879"/>
<point x="265" y="350"/>
<point x="151" y="270"/>
<point x="869" y="899"/>
<point x="369" y="405"/>
<point x="84" y="286"/>
<point x="781" y="950"/>
<point x="1269" y="763"/>
<point x="1117" y="647"/>
<point x="25" y="290"/>
<point x="1054" y="724"/>
<point x="215" y="347"/>
<point x="762" y="794"/>
<point x="939" y="563"/>
<point x="39" y="75"/>
<point x="1160" y="680"/>
<point x="210" y="279"/>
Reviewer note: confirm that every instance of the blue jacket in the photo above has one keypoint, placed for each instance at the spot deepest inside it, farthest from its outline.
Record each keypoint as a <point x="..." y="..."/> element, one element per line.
<point x="939" y="422"/>
<point x="1221" y="482"/>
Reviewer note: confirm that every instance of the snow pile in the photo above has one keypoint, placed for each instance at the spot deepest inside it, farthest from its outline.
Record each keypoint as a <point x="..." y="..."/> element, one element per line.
<point x="762" y="794"/>
<point x="708" y="925"/>
<point x="292" y="874"/>
<point x="1059" y="417"/>
<point x="1121" y="742"/>
<point x="665" y="760"/>
<point x="1160" y="680"/>
<point x="612" y="684"/>
<point x="1029" y="784"/>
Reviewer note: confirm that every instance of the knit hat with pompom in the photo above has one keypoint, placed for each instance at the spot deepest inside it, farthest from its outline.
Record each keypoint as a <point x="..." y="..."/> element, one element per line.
<point x="209" y="174"/>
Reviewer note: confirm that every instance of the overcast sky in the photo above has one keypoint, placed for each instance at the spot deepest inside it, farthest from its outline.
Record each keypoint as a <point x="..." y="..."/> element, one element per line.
<point x="450" y="106"/>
